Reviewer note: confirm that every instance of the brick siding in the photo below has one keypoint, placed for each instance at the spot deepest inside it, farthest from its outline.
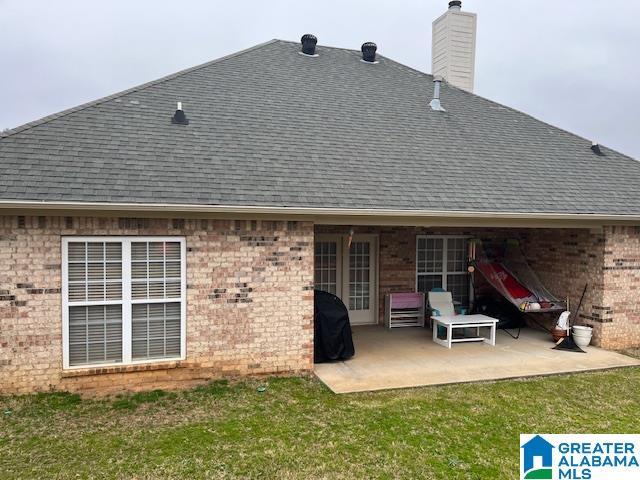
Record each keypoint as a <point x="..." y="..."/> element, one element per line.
<point x="620" y="315"/>
<point x="249" y="302"/>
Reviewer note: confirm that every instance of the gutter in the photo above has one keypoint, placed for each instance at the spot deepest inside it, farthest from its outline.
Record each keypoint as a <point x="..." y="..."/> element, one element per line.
<point x="306" y="211"/>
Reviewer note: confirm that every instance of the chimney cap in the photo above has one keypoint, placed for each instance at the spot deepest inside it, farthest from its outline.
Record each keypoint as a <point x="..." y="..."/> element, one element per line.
<point x="369" y="52"/>
<point x="455" y="4"/>
<point x="308" y="42"/>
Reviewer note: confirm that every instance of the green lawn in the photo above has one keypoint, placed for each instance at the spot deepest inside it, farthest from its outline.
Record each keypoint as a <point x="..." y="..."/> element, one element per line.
<point x="296" y="428"/>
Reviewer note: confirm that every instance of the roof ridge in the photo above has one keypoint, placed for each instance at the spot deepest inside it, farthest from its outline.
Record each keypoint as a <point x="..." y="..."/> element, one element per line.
<point x="293" y="42"/>
<point x="354" y="50"/>
<point x="68" y="111"/>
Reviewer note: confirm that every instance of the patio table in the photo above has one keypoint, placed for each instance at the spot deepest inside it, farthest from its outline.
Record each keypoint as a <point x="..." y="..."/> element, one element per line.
<point x="451" y="322"/>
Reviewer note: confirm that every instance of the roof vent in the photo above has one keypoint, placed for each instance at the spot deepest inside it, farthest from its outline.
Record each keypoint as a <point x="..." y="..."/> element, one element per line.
<point x="455" y="5"/>
<point x="309" y="42"/>
<point x="435" y="103"/>
<point x="369" y="52"/>
<point x="595" y="148"/>
<point x="179" y="117"/>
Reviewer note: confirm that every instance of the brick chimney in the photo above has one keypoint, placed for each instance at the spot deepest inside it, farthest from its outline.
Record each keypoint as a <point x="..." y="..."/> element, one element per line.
<point x="454" y="46"/>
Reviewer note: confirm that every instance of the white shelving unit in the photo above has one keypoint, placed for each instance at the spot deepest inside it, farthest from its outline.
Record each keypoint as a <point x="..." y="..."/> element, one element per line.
<point x="404" y="310"/>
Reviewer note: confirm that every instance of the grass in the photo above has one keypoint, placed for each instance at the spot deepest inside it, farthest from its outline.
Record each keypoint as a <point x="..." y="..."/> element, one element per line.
<point x="296" y="428"/>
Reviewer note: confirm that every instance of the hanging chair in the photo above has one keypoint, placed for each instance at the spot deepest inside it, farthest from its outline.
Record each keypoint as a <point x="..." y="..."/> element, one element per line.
<point x="513" y="278"/>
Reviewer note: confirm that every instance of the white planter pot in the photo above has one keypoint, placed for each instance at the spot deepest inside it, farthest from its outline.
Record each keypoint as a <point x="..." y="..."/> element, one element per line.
<point x="582" y="335"/>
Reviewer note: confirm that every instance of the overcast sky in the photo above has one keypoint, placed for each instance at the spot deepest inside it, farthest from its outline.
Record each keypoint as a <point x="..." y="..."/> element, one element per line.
<point x="572" y="63"/>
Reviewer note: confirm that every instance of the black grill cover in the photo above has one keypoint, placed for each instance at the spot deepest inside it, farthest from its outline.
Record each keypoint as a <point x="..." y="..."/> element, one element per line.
<point x="332" y="333"/>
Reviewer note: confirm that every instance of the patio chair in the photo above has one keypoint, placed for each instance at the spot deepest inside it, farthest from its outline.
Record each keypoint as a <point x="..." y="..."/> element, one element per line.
<point x="441" y="303"/>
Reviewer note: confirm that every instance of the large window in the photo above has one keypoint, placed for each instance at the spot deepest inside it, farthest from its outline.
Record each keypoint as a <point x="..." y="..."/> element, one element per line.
<point x="123" y="300"/>
<point x="442" y="263"/>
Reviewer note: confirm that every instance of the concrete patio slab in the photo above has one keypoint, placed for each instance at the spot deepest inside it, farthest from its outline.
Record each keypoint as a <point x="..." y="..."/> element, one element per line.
<point x="407" y="357"/>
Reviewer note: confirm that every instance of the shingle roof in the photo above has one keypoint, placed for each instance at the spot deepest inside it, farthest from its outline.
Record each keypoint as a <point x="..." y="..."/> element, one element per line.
<point x="271" y="127"/>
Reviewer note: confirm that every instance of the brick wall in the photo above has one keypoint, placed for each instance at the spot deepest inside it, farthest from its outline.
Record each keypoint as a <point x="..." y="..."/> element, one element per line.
<point x="249" y="302"/>
<point x="621" y="309"/>
<point x="607" y="259"/>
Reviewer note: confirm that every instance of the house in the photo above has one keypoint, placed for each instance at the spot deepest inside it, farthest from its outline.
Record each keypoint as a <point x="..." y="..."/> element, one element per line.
<point x="540" y="448"/>
<point x="144" y="246"/>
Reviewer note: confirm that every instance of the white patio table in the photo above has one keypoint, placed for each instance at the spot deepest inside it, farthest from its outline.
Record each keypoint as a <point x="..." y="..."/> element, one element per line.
<point x="451" y="322"/>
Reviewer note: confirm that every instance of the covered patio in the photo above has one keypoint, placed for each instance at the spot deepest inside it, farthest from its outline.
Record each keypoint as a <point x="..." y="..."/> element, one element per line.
<point x="407" y="357"/>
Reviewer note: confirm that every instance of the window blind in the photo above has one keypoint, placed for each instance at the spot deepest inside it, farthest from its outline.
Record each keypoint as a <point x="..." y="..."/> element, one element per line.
<point x="155" y="275"/>
<point x="123" y="300"/>
<point x="95" y="334"/>
<point x="155" y="330"/>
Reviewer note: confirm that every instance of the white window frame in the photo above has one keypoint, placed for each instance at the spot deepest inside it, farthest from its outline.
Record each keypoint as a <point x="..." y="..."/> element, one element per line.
<point x="444" y="273"/>
<point x="126" y="301"/>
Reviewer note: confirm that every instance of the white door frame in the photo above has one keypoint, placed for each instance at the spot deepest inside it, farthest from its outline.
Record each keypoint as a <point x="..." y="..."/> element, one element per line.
<point x="360" y="317"/>
<point x="342" y="278"/>
<point x="330" y="237"/>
